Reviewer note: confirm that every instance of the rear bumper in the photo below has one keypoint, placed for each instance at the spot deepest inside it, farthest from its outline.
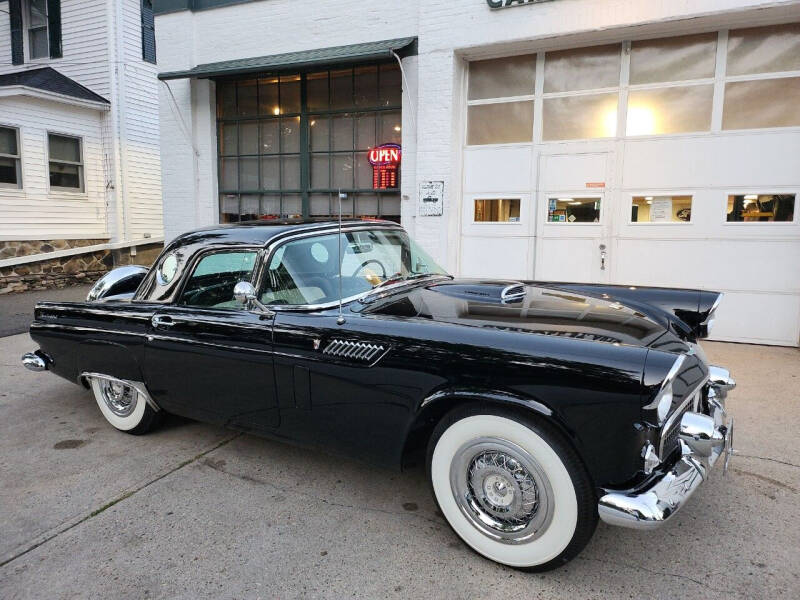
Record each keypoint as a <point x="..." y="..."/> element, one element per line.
<point x="704" y="438"/>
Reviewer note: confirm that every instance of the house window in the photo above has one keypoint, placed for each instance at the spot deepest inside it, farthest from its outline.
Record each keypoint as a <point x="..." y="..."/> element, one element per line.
<point x="10" y="171"/>
<point x="760" y="208"/>
<point x="37" y="29"/>
<point x="66" y="162"/>
<point x="148" y="32"/>
<point x="661" y="209"/>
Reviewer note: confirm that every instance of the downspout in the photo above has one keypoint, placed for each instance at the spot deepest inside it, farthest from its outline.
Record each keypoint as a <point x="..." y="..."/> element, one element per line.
<point x="119" y="95"/>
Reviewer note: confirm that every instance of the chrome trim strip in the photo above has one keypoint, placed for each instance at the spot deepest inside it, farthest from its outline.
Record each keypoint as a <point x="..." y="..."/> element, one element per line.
<point x="81" y="328"/>
<point x="138" y="385"/>
<point x="673" y="372"/>
<point x="192" y="342"/>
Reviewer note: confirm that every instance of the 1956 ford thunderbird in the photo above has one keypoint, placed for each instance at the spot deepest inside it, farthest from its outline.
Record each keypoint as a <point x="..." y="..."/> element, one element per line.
<point x="538" y="407"/>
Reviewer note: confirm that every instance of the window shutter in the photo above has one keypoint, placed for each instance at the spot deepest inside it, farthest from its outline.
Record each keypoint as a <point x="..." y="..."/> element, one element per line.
<point x="148" y="32"/>
<point x="54" y="27"/>
<point x="15" y="19"/>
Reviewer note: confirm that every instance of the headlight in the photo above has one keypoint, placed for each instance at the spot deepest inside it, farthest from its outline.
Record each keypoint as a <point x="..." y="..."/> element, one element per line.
<point x="663" y="399"/>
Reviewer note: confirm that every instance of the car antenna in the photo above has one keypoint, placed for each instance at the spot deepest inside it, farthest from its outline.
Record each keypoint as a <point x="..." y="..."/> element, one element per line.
<point x="340" y="320"/>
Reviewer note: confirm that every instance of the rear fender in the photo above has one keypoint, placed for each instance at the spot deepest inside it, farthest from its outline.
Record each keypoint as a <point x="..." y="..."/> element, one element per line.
<point x="108" y="358"/>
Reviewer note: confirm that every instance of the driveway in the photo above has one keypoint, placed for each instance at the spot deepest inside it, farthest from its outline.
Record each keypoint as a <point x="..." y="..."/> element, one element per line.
<point x="16" y="310"/>
<point x="194" y="511"/>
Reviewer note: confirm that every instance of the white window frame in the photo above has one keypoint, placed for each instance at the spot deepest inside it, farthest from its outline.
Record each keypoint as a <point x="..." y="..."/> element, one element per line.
<point x="660" y="194"/>
<point x="81" y="165"/>
<point x="546" y="204"/>
<point x="760" y="192"/>
<point x="522" y="209"/>
<point x="17" y="157"/>
<point x="27" y="26"/>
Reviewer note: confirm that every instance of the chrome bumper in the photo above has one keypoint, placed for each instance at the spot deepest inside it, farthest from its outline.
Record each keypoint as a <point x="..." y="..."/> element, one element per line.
<point x="703" y="439"/>
<point x="36" y="361"/>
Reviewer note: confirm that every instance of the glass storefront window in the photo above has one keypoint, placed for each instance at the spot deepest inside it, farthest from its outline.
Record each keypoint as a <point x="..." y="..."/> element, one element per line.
<point x="277" y="159"/>
<point x="661" y="209"/>
<point x="760" y="208"/>
<point x="673" y="59"/>
<point x="497" y="210"/>
<point x="669" y="110"/>
<point x="574" y="210"/>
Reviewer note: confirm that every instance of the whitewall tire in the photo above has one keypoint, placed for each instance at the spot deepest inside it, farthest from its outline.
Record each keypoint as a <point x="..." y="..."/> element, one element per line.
<point x="124" y="405"/>
<point x="511" y="487"/>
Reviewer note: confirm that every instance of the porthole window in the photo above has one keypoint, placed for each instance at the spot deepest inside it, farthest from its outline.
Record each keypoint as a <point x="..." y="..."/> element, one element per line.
<point x="167" y="269"/>
<point x="319" y="252"/>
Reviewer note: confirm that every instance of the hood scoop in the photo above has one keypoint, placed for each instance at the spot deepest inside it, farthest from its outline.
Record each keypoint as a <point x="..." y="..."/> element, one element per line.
<point x="500" y="292"/>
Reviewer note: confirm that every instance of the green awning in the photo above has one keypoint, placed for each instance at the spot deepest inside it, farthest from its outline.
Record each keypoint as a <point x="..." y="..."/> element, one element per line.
<point x="306" y="59"/>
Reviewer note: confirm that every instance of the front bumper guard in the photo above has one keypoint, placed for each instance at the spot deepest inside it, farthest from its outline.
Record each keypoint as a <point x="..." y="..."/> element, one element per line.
<point x="703" y="439"/>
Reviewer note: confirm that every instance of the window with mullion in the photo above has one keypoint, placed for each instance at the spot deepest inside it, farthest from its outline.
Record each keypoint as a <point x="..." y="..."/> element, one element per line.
<point x="10" y="167"/>
<point x="295" y="140"/>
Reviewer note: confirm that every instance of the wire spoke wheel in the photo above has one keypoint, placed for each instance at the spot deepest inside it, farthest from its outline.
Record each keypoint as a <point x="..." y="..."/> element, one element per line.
<point x="119" y="397"/>
<point x="501" y="489"/>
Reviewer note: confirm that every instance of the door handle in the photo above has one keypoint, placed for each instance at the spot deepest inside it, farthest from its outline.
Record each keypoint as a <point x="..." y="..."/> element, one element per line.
<point x="162" y="321"/>
<point x="602" y="257"/>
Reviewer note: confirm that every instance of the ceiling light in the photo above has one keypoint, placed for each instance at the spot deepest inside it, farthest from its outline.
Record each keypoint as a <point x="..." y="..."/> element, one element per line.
<point x="648" y="197"/>
<point x="313" y="123"/>
<point x="276" y="110"/>
<point x="649" y="201"/>
<point x="751" y="197"/>
<point x="565" y="199"/>
<point x="574" y="203"/>
<point x="397" y="127"/>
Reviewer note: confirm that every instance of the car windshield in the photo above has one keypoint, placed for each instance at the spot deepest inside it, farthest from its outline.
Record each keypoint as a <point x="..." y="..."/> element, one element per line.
<point x="306" y="271"/>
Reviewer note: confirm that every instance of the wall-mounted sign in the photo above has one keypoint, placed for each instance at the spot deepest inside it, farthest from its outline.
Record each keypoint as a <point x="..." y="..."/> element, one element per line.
<point x="495" y="4"/>
<point x="431" y="198"/>
<point x="595" y="184"/>
<point x="385" y="159"/>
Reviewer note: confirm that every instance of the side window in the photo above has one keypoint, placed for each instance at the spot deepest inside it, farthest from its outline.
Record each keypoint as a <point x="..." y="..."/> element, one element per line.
<point x="302" y="272"/>
<point x="213" y="279"/>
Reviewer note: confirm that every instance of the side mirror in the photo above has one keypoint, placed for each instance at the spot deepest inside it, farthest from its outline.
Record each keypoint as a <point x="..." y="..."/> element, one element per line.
<point x="245" y="294"/>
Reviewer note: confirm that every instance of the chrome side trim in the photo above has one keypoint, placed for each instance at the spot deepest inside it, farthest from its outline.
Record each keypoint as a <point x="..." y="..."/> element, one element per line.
<point x="89" y="329"/>
<point x="138" y="385"/>
<point x="191" y="342"/>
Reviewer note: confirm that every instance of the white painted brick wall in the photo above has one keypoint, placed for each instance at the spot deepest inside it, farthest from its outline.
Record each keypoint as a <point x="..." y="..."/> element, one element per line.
<point x="446" y="29"/>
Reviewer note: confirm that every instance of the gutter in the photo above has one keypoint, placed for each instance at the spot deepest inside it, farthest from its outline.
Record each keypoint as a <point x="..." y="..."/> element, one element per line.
<point x="32" y="258"/>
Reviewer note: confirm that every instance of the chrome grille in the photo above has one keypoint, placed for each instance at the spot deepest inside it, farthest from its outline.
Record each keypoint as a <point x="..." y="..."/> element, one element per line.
<point x="672" y="428"/>
<point x="360" y="351"/>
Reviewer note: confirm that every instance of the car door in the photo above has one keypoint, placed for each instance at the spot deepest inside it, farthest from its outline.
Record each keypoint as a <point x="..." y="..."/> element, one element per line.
<point x="207" y="356"/>
<point x="338" y="385"/>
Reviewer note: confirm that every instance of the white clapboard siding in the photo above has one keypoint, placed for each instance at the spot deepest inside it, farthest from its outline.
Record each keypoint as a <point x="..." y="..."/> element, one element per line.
<point x="35" y="210"/>
<point x="102" y="48"/>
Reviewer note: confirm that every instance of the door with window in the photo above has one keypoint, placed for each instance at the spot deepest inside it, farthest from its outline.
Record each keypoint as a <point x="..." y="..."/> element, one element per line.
<point x="207" y="357"/>
<point x="573" y="219"/>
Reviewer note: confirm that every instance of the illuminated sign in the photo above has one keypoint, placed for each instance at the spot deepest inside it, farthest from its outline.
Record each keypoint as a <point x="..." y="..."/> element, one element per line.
<point x="494" y="4"/>
<point x="385" y="159"/>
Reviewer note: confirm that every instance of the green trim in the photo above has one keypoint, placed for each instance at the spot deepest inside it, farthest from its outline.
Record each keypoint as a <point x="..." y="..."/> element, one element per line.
<point x="352" y="54"/>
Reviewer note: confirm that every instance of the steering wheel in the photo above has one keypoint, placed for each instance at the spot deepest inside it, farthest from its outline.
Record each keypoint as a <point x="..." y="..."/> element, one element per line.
<point x="366" y="262"/>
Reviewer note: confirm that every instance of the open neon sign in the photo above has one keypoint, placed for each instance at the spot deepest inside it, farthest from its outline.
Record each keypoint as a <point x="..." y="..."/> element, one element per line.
<point x="385" y="159"/>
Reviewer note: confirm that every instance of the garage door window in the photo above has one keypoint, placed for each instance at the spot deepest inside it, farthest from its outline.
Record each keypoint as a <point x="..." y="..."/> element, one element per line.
<point x="761" y="208"/>
<point x="573" y="210"/>
<point x="497" y="210"/>
<point x="661" y="209"/>
<point x="754" y="55"/>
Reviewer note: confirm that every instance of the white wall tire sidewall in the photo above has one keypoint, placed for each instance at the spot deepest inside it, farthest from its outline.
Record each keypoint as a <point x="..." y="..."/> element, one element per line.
<point x="121" y="423"/>
<point x="565" y="515"/>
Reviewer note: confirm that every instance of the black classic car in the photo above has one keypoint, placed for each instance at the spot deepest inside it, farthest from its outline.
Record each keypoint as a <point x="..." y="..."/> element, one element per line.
<point x="538" y="408"/>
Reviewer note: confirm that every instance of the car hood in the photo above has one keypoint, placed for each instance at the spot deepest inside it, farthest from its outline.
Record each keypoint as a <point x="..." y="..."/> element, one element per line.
<point x="523" y="307"/>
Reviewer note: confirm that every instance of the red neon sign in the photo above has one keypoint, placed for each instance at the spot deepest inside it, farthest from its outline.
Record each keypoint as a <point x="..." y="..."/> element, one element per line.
<point x="384" y="160"/>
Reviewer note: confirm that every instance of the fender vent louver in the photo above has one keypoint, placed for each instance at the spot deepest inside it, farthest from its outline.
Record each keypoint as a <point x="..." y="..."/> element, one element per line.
<point x="358" y="351"/>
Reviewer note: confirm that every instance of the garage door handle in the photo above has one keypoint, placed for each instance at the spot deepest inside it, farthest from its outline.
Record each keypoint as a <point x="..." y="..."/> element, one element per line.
<point x="602" y="257"/>
<point x="162" y="321"/>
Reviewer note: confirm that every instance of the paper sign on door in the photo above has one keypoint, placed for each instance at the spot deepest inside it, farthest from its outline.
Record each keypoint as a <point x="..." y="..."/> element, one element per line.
<point x="661" y="210"/>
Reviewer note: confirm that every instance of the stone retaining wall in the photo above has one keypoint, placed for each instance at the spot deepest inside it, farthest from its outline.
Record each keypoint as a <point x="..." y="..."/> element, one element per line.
<point x="66" y="270"/>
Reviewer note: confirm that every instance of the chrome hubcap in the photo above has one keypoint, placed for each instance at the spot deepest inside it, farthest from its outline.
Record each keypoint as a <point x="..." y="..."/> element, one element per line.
<point x="502" y="490"/>
<point x="119" y="397"/>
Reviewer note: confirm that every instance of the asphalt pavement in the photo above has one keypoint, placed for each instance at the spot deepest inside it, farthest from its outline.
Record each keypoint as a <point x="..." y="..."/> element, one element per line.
<point x="195" y="511"/>
<point x="16" y="310"/>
